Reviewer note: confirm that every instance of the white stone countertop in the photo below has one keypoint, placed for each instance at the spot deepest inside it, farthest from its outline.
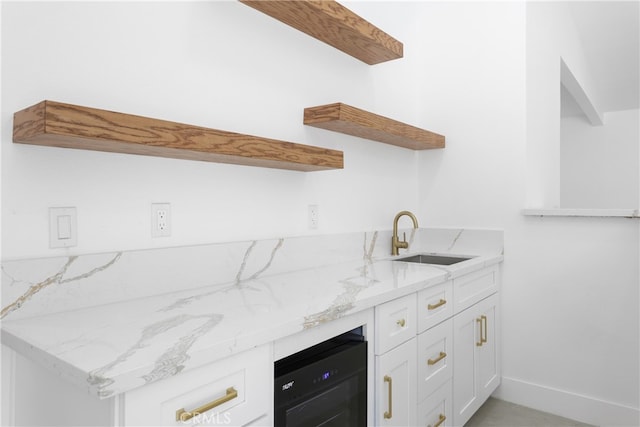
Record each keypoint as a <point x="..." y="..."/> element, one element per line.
<point x="115" y="347"/>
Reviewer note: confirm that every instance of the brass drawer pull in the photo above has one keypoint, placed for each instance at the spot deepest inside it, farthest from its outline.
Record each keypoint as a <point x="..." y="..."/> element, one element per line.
<point x="482" y="321"/>
<point x="440" y="421"/>
<point x="436" y="305"/>
<point x="437" y="359"/>
<point x="182" y="415"/>
<point x="483" y="338"/>
<point x="401" y="323"/>
<point x="388" y="414"/>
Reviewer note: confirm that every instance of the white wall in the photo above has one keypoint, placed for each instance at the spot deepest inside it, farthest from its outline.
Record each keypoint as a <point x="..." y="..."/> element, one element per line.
<point x="600" y="166"/>
<point x="571" y="284"/>
<point x="475" y="80"/>
<point x="216" y="64"/>
<point x="551" y="36"/>
<point x="570" y="294"/>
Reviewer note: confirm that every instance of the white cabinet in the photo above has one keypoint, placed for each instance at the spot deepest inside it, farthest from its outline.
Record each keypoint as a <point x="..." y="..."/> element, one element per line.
<point x="438" y="361"/>
<point x="475" y="357"/>
<point x="395" y="370"/>
<point x="239" y="387"/>
<point x="396" y="386"/>
<point x="435" y="353"/>
<point x="234" y="391"/>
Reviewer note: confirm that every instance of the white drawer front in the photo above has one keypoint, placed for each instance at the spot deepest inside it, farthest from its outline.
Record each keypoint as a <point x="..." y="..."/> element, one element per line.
<point x="437" y="409"/>
<point x="395" y="323"/>
<point x="474" y="287"/>
<point x="228" y="393"/>
<point x="239" y="387"/>
<point x="435" y="358"/>
<point x="435" y="304"/>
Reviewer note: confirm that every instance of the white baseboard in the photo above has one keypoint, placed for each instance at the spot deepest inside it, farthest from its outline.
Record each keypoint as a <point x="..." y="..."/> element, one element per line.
<point x="566" y="404"/>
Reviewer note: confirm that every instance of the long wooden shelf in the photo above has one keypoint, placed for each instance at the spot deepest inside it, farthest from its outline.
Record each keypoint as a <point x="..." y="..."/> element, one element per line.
<point x="56" y="124"/>
<point x="343" y="118"/>
<point x="334" y="24"/>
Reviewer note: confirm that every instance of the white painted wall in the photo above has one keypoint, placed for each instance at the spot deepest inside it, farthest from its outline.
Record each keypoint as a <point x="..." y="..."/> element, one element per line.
<point x="600" y="166"/>
<point x="571" y="284"/>
<point x="476" y="79"/>
<point x="570" y="294"/>
<point x="551" y="35"/>
<point x="216" y="64"/>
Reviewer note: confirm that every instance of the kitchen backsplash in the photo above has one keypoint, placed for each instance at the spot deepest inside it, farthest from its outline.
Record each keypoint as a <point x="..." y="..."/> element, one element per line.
<point x="33" y="287"/>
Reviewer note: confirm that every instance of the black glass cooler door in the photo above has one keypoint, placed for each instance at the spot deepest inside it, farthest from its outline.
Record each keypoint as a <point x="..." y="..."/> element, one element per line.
<point x="326" y="386"/>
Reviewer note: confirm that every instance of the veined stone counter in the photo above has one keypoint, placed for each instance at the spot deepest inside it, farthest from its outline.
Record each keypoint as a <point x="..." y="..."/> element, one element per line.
<point x="112" y="322"/>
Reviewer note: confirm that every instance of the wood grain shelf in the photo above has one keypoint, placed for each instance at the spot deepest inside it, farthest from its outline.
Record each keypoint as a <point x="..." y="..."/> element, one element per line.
<point x="334" y="24"/>
<point x="343" y="118"/>
<point x="56" y="124"/>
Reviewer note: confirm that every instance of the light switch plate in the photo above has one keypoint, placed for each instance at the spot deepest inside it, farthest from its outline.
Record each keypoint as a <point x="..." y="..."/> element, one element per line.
<point x="63" y="227"/>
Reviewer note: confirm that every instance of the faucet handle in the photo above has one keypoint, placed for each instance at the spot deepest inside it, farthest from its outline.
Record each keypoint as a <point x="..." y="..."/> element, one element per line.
<point x="404" y="237"/>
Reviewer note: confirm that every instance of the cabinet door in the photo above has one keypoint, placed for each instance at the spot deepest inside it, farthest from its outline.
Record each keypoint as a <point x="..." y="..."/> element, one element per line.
<point x="395" y="387"/>
<point x="466" y="336"/>
<point x="488" y="353"/>
<point x="475" y="352"/>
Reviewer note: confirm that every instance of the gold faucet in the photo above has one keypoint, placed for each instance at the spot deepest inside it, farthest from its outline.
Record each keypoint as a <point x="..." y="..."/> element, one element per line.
<point x="396" y="243"/>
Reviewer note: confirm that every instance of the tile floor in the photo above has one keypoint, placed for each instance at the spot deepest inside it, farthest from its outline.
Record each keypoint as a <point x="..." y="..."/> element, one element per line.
<point x="498" y="413"/>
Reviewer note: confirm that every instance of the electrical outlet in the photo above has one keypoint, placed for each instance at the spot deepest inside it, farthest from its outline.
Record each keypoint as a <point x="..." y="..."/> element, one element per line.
<point x="313" y="217"/>
<point x="160" y="219"/>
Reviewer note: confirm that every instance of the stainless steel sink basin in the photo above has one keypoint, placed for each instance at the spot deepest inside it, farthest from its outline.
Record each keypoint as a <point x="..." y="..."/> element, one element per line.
<point x="434" y="259"/>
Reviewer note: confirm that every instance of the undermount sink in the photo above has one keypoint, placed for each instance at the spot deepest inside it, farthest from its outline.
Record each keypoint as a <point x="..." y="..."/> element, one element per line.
<point x="434" y="259"/>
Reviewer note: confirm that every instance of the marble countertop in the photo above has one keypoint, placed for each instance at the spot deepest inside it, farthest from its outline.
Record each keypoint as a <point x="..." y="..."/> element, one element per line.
<point x="115" y="347"/>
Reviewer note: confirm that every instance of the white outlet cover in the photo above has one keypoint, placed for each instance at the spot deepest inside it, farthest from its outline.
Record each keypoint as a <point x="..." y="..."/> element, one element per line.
<point x="160" y="219"/>
<point x="313" y="217"/>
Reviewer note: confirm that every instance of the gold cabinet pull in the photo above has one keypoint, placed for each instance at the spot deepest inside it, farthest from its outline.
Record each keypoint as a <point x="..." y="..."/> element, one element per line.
<point x="440" y="421"/>
<point x="401" y="323"/>
<point x="437" y="359"/>
<point x="182" y="415"/>
<point x="483" y="338"/>
<point x="388" y="414"/>
<point x="436" y="305"/>
<point x="479" y="321"/>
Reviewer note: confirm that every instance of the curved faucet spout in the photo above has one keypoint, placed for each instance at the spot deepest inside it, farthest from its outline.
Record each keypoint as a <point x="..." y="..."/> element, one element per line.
<point x="396" y="243"/>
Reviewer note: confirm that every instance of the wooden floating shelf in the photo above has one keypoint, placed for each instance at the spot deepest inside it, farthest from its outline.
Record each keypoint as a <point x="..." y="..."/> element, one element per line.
<point x="334" y="24"/>
<point x="56" y="124"/>
<point x="343" y="118"/>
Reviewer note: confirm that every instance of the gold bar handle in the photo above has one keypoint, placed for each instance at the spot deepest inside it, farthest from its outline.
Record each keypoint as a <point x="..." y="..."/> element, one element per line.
<point x="440" y="421"/>
<point x="484" y="322"/>
<point x="436" y="305"/>
<point x="182" y="415"/>
<point x="437" y="359"/>
<point x="401" y="323"/>
<point x="388" y="414"/>
<point x="479" y="321"/>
